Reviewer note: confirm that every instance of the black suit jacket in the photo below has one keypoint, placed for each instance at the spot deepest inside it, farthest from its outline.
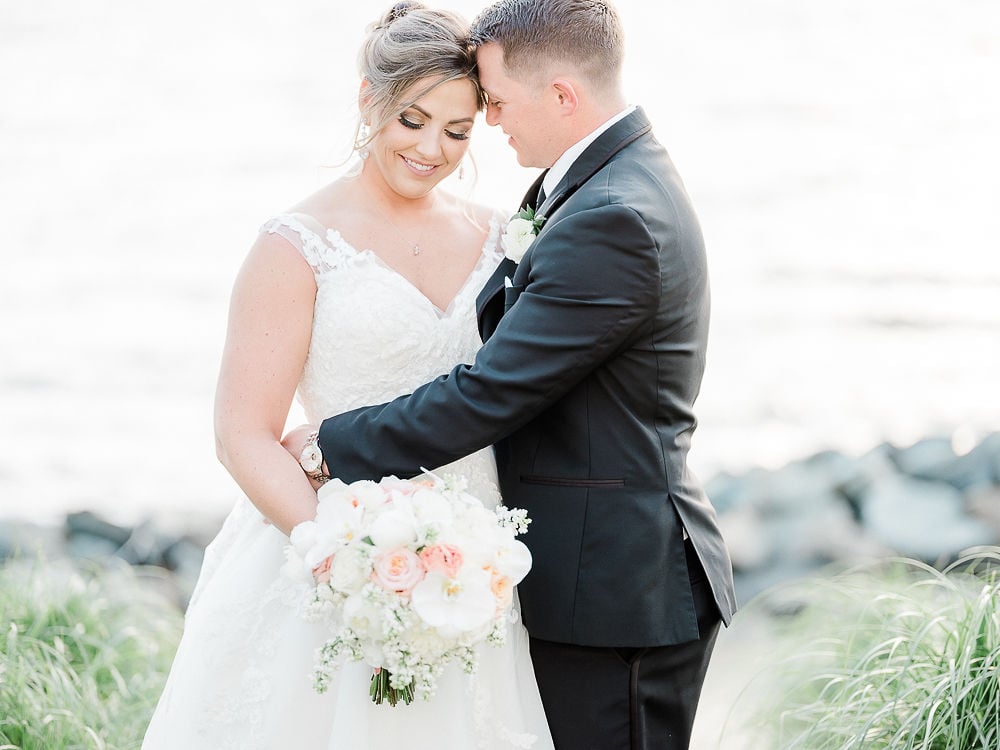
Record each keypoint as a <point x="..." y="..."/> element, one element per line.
<point x="585" y="385"/>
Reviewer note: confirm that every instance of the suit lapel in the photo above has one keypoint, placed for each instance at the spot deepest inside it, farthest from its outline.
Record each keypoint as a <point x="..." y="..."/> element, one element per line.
<point x="597" y="154"/>
<point x="489" y="303"/>
<point x="530" y="199"/>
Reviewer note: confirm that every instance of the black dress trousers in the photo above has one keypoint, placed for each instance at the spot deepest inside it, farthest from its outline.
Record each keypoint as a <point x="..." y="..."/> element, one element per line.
<point x="599" y="698"/>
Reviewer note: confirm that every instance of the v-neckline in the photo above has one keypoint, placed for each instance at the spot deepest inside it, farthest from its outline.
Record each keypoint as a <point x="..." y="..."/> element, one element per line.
<point x="332" y="238"/>
<point x="335" y="237"/>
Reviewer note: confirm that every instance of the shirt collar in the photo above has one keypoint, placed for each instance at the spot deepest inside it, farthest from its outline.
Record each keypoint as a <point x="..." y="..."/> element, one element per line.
<point x="570" y="155"/>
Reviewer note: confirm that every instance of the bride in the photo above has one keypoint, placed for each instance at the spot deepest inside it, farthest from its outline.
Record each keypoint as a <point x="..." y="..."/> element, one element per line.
<point x="358" y="294"/>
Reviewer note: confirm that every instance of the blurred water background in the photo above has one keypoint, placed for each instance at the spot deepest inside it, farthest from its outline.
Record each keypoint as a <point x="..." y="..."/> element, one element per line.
<point x="842" y="157"/>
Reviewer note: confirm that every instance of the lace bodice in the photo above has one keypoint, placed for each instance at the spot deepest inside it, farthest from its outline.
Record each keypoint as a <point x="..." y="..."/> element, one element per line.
<point x="375" y="336"/>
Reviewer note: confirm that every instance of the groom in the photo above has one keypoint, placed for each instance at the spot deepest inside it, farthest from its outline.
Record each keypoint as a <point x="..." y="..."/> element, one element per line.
<point x="594" y="353"/>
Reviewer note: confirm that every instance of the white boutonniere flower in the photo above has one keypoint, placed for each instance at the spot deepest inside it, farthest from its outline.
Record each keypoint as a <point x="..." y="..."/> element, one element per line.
<point x="520" y="232"/>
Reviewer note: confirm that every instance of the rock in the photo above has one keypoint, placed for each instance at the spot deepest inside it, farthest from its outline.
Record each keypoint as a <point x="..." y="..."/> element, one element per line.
<point x="921" y="519"/>
<point x="90" y="547"/>
<point x="871" y="467"/>
<point x="934" y="459"/>
<point x="184" y="558"/>
<point x="749" y="585"/>
<point x="90" y="524"/>
<point x="146" y="545"/>
<point x="840" y="468"/>
<point x="729" y="491"/>
<point x="823" y="533"/>
<point x="750" y="545"/>
<point x="980" y="467"/>
<point x="930" y="458"/>
<point x="90" y="537"/>
<point x="792" y="490"/>
<point x="984" y="503"/>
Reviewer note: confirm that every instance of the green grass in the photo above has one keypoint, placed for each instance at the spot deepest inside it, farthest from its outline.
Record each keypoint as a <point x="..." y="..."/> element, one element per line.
<point x="890" y="655"/>
<point x="84" y="652"/>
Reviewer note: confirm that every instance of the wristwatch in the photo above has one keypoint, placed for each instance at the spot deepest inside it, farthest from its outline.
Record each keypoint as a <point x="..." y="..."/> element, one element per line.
<point x="311" y="459"/>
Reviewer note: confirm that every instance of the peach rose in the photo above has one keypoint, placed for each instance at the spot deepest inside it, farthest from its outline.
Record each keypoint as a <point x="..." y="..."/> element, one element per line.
<point x="442" y="558"/>
<point x="398" y="570"/>
<point x="501" y="586"/>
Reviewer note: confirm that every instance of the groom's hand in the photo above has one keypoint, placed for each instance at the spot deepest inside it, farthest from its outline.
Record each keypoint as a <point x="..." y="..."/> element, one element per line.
<point x="295" y="441"/>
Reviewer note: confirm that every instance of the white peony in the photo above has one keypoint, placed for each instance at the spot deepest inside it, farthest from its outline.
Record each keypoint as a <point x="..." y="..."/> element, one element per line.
<point x="517" y="237"/>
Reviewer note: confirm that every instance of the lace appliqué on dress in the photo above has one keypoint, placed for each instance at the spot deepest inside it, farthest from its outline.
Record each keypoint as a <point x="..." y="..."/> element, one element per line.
<point x="320" y="256"/>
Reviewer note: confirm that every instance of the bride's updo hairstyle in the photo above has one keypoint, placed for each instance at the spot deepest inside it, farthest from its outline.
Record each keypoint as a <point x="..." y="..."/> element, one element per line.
<point x="411" y="44"/>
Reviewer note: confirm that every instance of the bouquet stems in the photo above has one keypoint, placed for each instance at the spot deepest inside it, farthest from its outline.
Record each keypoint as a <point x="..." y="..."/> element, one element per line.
<point x="381" y="690"/>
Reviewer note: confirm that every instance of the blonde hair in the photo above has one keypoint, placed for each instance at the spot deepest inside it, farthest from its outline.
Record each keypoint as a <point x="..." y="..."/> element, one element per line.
<point x="411" y="43"/>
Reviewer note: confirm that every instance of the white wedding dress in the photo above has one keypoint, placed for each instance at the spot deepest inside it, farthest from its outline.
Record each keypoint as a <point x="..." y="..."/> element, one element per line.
<point x="242" y="674"/>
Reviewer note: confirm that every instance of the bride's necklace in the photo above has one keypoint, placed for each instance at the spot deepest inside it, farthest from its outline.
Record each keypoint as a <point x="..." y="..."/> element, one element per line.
<point x="416" y="249"/>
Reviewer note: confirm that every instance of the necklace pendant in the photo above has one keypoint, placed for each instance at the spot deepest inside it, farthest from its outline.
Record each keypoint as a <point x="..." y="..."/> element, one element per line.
<point x="416" y="249"/>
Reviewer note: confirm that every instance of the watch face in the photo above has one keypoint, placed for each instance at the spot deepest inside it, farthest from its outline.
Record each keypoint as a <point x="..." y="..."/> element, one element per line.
<point x="311" y="458"/>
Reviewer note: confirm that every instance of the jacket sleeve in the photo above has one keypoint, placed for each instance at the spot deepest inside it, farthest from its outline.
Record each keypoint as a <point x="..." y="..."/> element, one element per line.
<point x="587" y="284"/>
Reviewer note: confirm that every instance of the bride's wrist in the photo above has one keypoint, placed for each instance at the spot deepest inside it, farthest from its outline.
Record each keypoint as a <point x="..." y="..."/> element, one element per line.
<point x="311" y="459"/>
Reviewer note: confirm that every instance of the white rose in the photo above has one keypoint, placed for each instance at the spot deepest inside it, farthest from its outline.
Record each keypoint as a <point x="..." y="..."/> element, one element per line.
<point x="517" y="237"/>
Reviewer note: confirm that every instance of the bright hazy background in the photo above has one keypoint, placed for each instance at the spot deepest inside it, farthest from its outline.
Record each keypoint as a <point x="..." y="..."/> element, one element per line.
<point x="842" y="157"/>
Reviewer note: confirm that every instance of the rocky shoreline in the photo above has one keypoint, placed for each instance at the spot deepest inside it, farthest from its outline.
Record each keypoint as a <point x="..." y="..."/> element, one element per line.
<point x="925" y="501"/>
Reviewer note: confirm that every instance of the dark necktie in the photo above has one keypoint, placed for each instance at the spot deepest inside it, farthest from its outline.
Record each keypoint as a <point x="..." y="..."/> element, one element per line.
<point x="540" y="199"/>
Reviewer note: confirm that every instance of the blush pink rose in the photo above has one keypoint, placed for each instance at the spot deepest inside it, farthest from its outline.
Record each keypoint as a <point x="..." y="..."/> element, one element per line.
<point x="442" y="558"/>
<point x="322" y="571"/>
<point x="398" y="570"/>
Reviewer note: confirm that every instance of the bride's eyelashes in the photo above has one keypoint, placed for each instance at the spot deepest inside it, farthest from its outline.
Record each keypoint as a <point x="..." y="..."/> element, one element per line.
<point x="408" y="123"/>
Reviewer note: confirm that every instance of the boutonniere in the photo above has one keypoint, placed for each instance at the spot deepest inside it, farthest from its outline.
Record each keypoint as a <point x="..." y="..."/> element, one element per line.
<point x="520" y="233"/>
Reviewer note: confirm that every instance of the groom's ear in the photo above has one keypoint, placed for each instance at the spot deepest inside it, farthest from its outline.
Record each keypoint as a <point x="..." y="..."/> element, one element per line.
<point x="565" y="95"/>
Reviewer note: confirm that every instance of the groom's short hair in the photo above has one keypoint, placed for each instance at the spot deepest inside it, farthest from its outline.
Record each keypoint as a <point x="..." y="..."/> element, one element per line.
<point x="586" y="33"/>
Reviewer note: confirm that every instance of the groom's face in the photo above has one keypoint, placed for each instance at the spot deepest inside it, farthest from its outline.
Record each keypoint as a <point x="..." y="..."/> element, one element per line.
<point x="518" y="108"/>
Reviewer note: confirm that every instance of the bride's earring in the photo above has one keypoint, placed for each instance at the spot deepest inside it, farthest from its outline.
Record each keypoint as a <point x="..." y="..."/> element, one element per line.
<point x="461" y="170"/>
<point x="363" y="151"/>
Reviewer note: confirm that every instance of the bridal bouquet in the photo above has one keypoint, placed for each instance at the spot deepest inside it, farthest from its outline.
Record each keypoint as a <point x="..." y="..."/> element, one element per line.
<point x="409" y="575"/>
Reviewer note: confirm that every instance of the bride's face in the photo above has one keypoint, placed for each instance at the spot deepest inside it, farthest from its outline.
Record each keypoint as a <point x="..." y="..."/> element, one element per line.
<point x="427" y="141"/>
